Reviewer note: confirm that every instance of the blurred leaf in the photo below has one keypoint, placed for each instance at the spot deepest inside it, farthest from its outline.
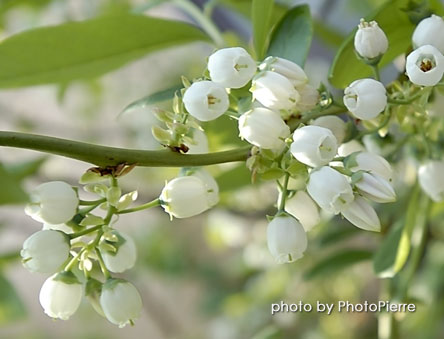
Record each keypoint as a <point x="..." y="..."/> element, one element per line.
<point x="11" y="192"/>
<point x="261" y="11"/>
<point x="86" y="49"/>
<point x="291" y="38"/>
<point x="269" y="332"/>
<point x="25" y="169"/>
<point x="234" y="178"/>
<point x="155" y="98"/>
<point x="222" y="132"/>
<point x="334" y="235"/>
<point x="327" y="34"/>
<point x="338" y="261"/>
<point x="11" y="307"/>
<point x="394" y="20"/>
<point x="395" y="248"/>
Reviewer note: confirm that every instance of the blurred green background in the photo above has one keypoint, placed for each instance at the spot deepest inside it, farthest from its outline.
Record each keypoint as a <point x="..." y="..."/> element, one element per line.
<point x="209" y="276"/>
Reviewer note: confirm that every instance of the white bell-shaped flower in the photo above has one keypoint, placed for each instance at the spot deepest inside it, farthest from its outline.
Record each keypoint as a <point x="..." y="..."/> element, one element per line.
<point x="200" y="145"/>
<point x="313" y="145"/>
<point x="430" y="32"/>
<point x="376" y="188"/>
<point x="425" y="66"/>
<point x="274" y="91"/>
<point x="370" y="40"/>
<point x="361" y="214"/>
<point x="121" y="302"/>
<point x="330" y="189"/>
<point x="206" y="100"/>
<point x="365" y="98"/>
<point x="231" y="67"/>
<point x="59" y="227"/>
<point x="125" y="256"/>
<point x="287" y="68"/>
<point x="304" y="209"/>
<point x="61" y="295"/>
<point x="286" y="239"/>
<point x="184" y="197"/>
<point x="431" y="180"/>
<point x="210" y="183"/>
<point x="335" y="124"/>
<point x="45" y="251"/>
<point x="350" y="147"/>
<point x="374" y="164"/>
<point x="53" y="202"/>
<point x="309" y="98"/>
<point x="263" y="128"/>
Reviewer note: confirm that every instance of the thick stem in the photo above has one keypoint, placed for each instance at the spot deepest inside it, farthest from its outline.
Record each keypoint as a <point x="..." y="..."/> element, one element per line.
<point x="110" y="156"/>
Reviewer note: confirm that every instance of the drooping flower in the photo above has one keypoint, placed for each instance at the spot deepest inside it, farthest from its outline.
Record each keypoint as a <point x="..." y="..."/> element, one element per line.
<point x="125" y="256"/>
<point x="335" y="124"/>
<point x="425" y="66"/>
<point x="430" y="32"/>
<point x="304" y="209"/>
<point x="430" y="176"/>
<point x="361" y="214"/>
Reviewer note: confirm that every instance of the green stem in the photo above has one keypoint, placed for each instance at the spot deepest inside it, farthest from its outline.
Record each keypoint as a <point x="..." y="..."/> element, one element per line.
<point x="407" y="101"/>
<point x="102" y="264"/>
<point x="283" y="195"/>
<point x="207" y="25"/>
<point x="92" y="202"/>
<point x="376" y="74"/>
<point x="111" y="156"/>
<point x="150" y="204"/>
<point x="383" y="123"/>
<point x="84" y="232"/>
<point x="73" y="261"/>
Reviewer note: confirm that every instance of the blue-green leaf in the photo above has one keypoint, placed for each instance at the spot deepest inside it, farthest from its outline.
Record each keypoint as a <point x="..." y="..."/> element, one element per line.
<point x="261" y="13"/>
<point x="291" y="38"/>
<point x="86" y="49"/>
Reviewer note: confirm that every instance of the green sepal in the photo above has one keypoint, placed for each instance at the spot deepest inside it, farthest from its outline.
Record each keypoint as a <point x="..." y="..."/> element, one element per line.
<point x="350" y="160"/>
<point x="66" y="277"/>
<point x="91" y="220"/>
<point x="357" y="176"/>
<point x="111" y="283"/>
<point x="90" y="177"/>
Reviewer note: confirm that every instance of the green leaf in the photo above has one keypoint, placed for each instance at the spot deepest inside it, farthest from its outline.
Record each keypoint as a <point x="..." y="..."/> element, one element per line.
<point x="86" y="49"/>
<point x="327" y="34"/>
<point x="395" y="248"/>
<point x="155" y="98"/>
<point x="291" y="38"/>
<point x="11" y="307"/>
<point x="395" y="21"/>
<point x="25" y="169"/>
<point x="261" y="13"/>
<point x="234" y="178"/>
<point x="338" y="261"/>
<point x="11" y="192"/>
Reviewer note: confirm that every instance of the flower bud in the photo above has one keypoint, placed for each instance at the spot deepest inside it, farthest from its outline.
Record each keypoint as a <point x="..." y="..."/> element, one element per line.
<point x="374" y="164"/>
<point x="286" y="239"/>
<point x="431" y="180"/>
<point x="263" y="128"/>
<point x="287" y="68"/>
<point x="120" y="301"/>
<point x="370" y="40"/>
<point x="60" y="295"/>
<point x="210" y="183"/>
<point x="231" y="67"/>
<point x="309" y="98"/>
<point x="53" y="202"/>
<point x="376" y="188"/>
<point x="361" y="214"/>
<point x="125" y="256"/>
<point x="330" y="189"/>
<point x="185" y="197"/>
<point x="206" y="100"/>
<point x="335" y="124"/>
<point x="430" y="32"/>
<point x="313" y="145"/>
<point x="303" y="208"/>
<point x="425" y="66"/>
<point x="45" y="251"/>
<point x="365" y="98"/>
<point x="274" y="91"/>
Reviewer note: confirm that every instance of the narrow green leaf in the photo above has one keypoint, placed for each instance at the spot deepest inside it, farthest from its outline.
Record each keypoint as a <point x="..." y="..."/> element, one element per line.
<point x="11" y="307"/>
<point x="395" y="21"/>
<point x="152" y="99"/>
<point x="261" y="13"/>
<point x="86" y="49"/>
<point x="11" y="192"/>
<point x="291" y="38"/>
<point x="25" y="169"/>
<point x="338" y="261"/>
<point x="327" y="34"/>
<point x="385" y="257"/>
